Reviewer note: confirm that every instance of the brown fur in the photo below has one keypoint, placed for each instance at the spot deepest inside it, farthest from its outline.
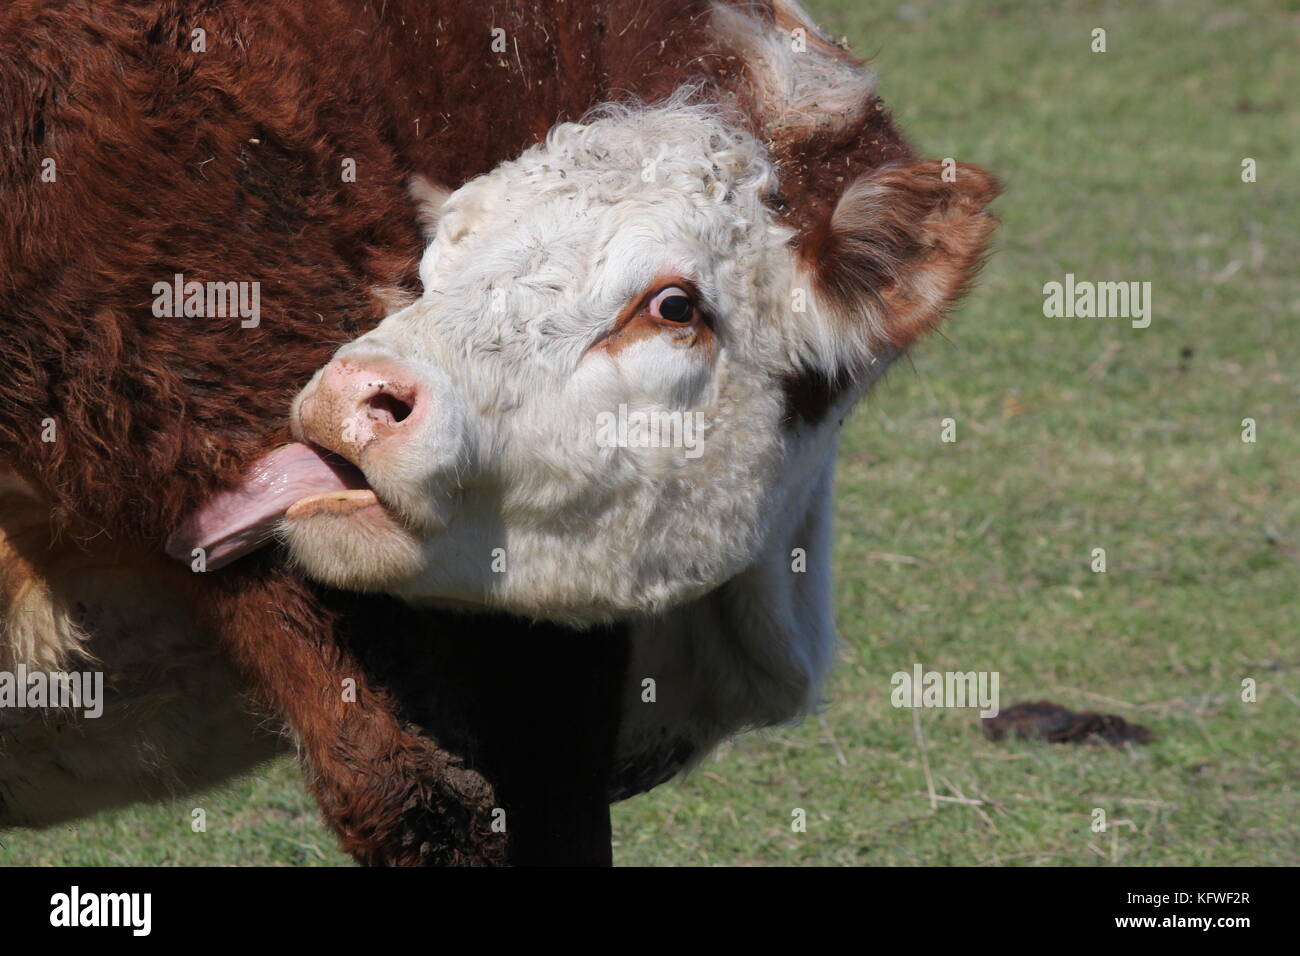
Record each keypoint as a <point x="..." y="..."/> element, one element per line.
<point x="224" y="166"/>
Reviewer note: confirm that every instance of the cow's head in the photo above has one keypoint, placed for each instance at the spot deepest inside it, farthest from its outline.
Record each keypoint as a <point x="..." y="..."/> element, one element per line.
<point x="622" y="286"/>
<point x="620" y="390"/>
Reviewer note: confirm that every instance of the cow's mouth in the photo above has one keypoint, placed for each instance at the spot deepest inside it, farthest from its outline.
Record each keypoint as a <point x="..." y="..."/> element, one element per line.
<point x="295" y="482"/>
<point x="345" y="502"/>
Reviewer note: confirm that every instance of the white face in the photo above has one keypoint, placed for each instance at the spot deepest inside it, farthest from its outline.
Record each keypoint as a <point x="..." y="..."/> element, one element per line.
<point x="625" y="268"/>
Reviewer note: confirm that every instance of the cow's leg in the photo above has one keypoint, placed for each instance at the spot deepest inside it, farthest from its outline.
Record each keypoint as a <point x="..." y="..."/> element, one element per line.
<point x="393" y="795"/>
<point x="564" y="828"/>
<point x="552" y="727"/>
<point x="536" y="707"/>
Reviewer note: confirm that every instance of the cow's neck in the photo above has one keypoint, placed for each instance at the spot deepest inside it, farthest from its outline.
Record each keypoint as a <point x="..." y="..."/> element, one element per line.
<point x="753" y="653"/>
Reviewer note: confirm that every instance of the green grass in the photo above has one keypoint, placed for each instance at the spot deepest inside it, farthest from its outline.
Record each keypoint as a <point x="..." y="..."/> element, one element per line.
<point x="1073" y="434"/>
<point x="266" y="819"/>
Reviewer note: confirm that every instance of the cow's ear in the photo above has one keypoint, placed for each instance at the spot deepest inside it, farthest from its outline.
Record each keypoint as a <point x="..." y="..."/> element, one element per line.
<point x="429" y="199"/>
<point x="901" y="246"/>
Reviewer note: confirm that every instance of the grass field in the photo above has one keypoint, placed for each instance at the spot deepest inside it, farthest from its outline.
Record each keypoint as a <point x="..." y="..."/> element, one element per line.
<point x="1073" y="434"/>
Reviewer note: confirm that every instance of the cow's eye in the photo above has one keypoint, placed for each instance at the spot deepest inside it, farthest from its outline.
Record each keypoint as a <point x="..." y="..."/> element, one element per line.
<point x="674" y="304"/>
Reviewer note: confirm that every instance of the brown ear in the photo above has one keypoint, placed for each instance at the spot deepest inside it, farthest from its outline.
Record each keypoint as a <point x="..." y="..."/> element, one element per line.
<point x="901" y="247"/>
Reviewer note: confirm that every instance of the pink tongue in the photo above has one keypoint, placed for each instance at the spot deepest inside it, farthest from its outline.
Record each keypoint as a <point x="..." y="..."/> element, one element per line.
<point x="235" y="522"/>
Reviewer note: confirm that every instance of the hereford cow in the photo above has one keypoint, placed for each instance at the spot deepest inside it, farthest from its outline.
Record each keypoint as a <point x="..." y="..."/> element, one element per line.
<point x="484" y="552"/>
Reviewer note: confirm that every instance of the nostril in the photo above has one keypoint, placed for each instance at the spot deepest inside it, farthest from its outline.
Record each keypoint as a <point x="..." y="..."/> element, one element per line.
<point x="384" y="406"/>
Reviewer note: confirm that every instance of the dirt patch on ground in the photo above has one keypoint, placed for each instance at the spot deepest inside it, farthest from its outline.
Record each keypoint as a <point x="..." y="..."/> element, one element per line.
<point x="1044" y="720"/>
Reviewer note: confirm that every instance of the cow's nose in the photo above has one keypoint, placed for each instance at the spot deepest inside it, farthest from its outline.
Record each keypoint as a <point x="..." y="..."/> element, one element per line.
<point x="356" y="403"/>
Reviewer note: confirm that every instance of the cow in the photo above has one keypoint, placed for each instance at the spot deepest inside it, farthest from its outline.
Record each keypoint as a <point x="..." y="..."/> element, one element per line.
<point x="573" y="219"/>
